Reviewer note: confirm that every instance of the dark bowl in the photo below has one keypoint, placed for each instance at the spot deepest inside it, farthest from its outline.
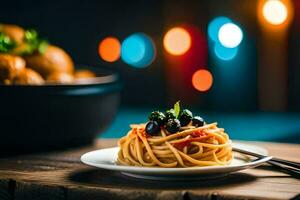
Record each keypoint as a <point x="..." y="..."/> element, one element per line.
<point x="55" y="116"/>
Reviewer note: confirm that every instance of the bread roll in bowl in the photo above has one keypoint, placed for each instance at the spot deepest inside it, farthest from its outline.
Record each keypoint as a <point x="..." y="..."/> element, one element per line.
<point x="53" y="60"/>
<point x="83" y="74"/>
<point x="60" y="77"/>
<point x="28" y="77"/>
<point x="10" y="67"/>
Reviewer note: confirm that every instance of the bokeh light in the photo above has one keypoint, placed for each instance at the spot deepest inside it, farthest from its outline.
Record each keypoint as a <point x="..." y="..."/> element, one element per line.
<point x="138" y="50"/>
<point x="275" y="12"/>
<point x="202" y="80"/>
<point x="230" y="35"/>
<point x="225" y="53"/>
<point x="109" y="49"/>
<point x="177" y="41"/>
<point x="214" y="27"/>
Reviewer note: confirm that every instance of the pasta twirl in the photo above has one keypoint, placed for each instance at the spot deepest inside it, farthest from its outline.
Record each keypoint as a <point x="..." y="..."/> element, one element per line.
<point x="207" y="145"/>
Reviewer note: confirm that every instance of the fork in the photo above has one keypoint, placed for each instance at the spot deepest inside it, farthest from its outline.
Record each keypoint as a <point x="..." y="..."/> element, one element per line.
<point x="278" y="162"/>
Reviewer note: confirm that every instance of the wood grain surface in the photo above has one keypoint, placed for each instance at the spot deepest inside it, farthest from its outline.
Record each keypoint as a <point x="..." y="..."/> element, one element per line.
<point x="61" y="175"/>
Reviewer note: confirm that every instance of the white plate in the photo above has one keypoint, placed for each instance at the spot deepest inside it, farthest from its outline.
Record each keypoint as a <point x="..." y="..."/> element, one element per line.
<point x="106" y="159"/>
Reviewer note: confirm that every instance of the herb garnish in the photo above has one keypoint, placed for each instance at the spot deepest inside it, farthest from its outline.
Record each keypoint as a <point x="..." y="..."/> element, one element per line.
<point x="177" y="109"/>
<point x="6" y="44"/>
<point x="31" y="43"/>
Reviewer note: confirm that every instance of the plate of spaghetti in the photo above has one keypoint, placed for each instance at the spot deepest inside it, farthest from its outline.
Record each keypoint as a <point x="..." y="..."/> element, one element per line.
<point x="174" y="145"/>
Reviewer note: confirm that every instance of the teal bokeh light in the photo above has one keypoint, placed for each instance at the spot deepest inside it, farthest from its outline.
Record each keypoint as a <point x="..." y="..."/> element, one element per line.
<point x="133" y="49"/>
<point x="222" y="52"/>
<point x="214" y="27"/>
<point x="138" y="50"/>
<point x="225" y="53"/>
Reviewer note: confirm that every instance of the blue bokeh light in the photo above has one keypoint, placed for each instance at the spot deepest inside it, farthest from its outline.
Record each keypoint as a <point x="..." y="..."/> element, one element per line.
<point x="133" y="49"/>
<point x="225" y="53"/>
<point x="214" y="27"/>
<point x="138" y="50"/>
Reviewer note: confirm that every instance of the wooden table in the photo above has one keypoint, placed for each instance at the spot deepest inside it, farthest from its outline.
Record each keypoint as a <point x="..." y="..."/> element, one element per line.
<point x="60" y="175"/>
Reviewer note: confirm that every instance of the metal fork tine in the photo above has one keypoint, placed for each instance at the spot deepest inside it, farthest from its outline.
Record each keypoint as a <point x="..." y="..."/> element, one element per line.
<point x="277" y="160"/>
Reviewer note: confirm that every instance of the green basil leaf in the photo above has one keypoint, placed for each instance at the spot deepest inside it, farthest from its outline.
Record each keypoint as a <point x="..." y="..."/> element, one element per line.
<point x="177" y="109"/>
<point x="6" y="44"/>
<point x="31" y="35"/>
<point x="42" y="46"/>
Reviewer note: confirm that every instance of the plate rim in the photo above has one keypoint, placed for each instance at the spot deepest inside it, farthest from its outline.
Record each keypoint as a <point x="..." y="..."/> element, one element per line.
<point x="135" y="169"/>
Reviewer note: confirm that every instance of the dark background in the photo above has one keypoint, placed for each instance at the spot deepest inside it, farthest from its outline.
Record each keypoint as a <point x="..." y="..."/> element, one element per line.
<point x="78" y="26"/>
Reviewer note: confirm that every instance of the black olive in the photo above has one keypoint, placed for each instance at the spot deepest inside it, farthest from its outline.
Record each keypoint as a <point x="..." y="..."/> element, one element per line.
<point x="170" y="114"/>
<point x="157" y="116"/>
<point x="185" y="117"/>
<point x="173" y="125"/>
<point x="152" y="128"/>
<point x="197" y="121"/>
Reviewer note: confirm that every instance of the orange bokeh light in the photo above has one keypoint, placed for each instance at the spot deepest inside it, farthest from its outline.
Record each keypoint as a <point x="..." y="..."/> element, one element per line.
<point x="275" y="14"/>
<point x="202" y="80"/>
<point x="177" y="41"/>
<point x="109" y="49"/>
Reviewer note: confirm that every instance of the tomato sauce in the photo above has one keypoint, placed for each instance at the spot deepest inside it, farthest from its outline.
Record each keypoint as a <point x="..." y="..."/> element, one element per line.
<point x="196" y="136"/>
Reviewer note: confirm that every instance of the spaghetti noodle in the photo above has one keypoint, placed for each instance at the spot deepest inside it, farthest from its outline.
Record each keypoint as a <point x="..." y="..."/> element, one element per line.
<point x="192" y="146"/>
